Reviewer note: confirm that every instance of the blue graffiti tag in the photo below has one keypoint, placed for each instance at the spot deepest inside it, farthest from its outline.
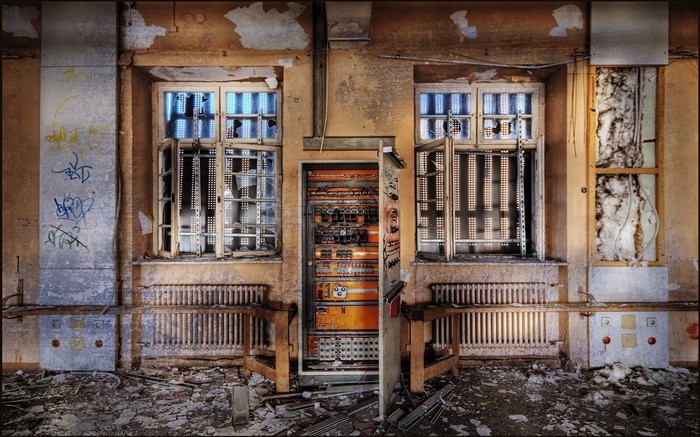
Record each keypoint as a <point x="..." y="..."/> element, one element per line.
<point x="64" y="238"/>
<point x="73" y="208"/>
<point x="74" y="172"/>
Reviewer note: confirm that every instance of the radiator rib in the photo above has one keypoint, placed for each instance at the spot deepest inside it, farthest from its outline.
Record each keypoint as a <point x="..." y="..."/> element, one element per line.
<point x="204" y="334"/>
<point x="497" y="334"/>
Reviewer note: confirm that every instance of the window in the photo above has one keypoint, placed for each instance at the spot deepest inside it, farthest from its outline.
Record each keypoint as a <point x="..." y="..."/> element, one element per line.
<point x="218" y="170"/>
<point x="626" y="169"/>
<point x="479" y="170"/>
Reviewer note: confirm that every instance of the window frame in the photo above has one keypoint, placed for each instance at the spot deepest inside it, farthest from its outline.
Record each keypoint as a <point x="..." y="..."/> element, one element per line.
<point x="657" y="171"/>
<point x="219" y="143"/>
<point x="478" y="144"/>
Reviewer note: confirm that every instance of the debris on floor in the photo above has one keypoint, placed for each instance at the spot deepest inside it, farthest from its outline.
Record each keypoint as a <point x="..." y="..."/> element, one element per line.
<point x="503" y="400"/>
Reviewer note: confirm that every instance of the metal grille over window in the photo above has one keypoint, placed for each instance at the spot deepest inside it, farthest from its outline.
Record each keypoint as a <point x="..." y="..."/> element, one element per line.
<point x="477" y="194"/>
<point x="490" y="192"/>
<point x="500" y="112"/>
<point x="196" y="207"/>
<point x="434" y="109"/>
<point x="251" y="115"/>
<point x="206" y="208"/>
<point x="179" y="122"/>
<point x="250" y="203"/>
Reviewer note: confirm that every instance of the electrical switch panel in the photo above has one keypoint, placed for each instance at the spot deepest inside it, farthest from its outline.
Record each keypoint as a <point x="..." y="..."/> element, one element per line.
<point x="341" y="258"/>
<point x="633" y="339"/>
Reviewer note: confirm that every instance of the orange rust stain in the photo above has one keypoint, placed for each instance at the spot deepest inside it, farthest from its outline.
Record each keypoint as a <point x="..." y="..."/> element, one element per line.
<point x="692" y="331"/>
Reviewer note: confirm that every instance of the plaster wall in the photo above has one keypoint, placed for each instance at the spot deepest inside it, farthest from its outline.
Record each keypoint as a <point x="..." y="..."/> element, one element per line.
<point x="681" y="203"/>
<point x="20" y="206"/>
<point x="369" y="94"/>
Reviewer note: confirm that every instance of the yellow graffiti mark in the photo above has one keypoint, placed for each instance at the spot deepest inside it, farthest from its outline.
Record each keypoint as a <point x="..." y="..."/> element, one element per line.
<point x="70" y="75"/>
<point x="62" y="138"/>
<point x="95" y="136"/>
<point x="55" y="113"/>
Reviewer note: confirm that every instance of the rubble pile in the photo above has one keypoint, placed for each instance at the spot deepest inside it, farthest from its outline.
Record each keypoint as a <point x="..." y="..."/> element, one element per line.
<point x="503" y="400"/>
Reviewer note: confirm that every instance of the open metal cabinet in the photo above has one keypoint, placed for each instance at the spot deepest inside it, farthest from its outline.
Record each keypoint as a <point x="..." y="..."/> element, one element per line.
<point x="350" y="294"/>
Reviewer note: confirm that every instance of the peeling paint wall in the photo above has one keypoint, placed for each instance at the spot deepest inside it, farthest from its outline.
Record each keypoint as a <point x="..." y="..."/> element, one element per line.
<point x="20" y="217"/>
<point x="681" y="196"/>
<point x="271" y="29"/>
<point x="136" y="34"/>
<point x="368" y="95"/>
<point x="18" y="20"/>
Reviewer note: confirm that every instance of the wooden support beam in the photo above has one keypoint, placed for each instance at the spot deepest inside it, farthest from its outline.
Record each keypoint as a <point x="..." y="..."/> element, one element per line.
<point x="281" y="352"/>
<point x="347" y="143"/>
<point x="246" y="346"/>
<point x="251" y="364"/>
<point x="417" y="353"/>
<point x="437" y="367"/>
<point x="430" y="313"/>
<point x="455" y="346"/>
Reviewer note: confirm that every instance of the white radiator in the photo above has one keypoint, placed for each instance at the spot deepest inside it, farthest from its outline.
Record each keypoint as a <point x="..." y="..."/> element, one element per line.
<point x="498" y="334"/>
<point x="189" y="334"/>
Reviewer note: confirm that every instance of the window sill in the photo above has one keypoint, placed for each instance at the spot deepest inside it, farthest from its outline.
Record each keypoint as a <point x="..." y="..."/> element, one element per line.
<point x="203" y="261"/>
<point x="486" y="261"/>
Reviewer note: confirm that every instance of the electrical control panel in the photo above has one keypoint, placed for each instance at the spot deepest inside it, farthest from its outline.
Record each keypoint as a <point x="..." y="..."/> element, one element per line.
<point x="78" y="342"/>
<point x="635" y="339"/>
<point x="341" y="258"/>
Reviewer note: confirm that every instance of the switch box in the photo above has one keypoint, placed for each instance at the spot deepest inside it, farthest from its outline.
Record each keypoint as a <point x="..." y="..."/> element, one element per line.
<point x="78" y="342"/>
<point x="632" y="339"/>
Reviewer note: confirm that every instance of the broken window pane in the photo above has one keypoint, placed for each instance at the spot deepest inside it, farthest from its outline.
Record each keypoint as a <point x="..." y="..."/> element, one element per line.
<point x="242" y="110"/>
<point x="434" y="108"/>
<point x="180" y="110"/>
<point x="488" y="213"/>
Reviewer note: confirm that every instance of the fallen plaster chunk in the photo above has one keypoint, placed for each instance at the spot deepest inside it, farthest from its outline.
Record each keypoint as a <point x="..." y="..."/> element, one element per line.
<point x="535" y="379"/>
<point x="483" y="430"/>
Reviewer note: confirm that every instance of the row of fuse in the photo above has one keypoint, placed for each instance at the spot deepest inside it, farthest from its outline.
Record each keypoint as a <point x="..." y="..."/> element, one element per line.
<point x="348" y="348"/>
<point x="327" y="214"/>
<point x="340" y="236"/>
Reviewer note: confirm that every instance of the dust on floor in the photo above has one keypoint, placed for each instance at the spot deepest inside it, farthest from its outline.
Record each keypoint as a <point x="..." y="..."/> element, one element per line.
<point x="486" y="401"/>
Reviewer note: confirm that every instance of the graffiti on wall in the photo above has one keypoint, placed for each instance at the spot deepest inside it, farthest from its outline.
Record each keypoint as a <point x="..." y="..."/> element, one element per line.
<point x="69" y="145"/>
<point x="75" y="171"/>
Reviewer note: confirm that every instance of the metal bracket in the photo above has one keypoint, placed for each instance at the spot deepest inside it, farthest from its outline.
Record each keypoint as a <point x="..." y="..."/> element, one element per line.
<point x="20" y="299"/>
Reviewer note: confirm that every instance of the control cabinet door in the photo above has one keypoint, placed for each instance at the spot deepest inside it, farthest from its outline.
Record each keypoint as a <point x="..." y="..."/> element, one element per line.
<point x="390" y="284"/>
